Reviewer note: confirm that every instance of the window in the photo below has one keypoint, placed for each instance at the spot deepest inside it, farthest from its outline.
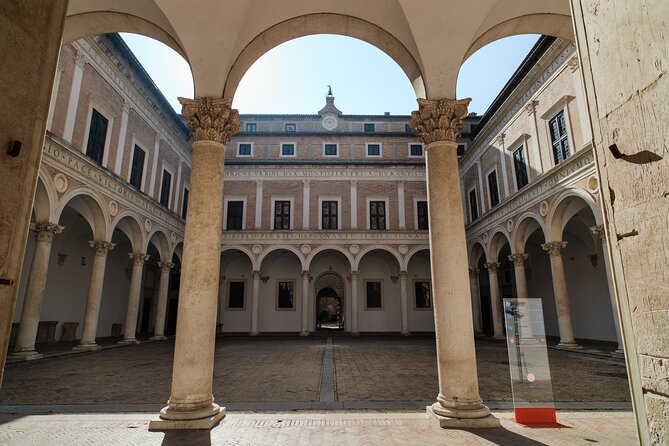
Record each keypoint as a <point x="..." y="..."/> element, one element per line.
<point x="415" y="150"/>
<point x="184" y="205"/>
<point x="329" y="215"/>
<point x="559" y="139"/>
<point x="285" y="299"/>
<point x="289" y="127"/>
<point x="369" y="128"/>
<point x="165" y="188"/>
<point x="251" y="127"/>
<point x="421" y="211"/>
<point x="137" y="167"/>
<point x="97" y="135"/>
<point x="282" y="214"/>
<point x="377" y="215"/>
<point x="520" y="166"/>
<point x="236" y="295"/>
<point x="373" y="149"/>
<point x="330" y="149"/>
<point x="288" y="149"/>
<point x="473" y="208"/>
<point x="244" y="149"/>
<point x="235" y="215"/>
<point x="492" y="189"/>
<point x="407" y="128"/>
<point x="461" y="149"/>
<point x="423" y="295"/>
<point x="373" y="296"/>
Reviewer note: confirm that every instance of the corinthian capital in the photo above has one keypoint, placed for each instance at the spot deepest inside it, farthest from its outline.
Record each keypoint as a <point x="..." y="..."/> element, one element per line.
<point x="138" y="258"/>
<point x="492" y="266"/>
<point x="101" y="247"/>
<point x="45" y="230"/>
<point x="211" y="119"/>
<point x="553" y="248"/>
<point x="438" y="119"/>
<point x="518" y="258"/>
<point x="165" y="266"/>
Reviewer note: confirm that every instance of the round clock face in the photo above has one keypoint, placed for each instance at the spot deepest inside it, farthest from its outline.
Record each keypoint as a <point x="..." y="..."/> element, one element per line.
<point x="329" y="123"/>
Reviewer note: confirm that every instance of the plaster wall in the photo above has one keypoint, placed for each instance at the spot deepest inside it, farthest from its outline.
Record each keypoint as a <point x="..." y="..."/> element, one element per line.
<point x="280" y="267"/>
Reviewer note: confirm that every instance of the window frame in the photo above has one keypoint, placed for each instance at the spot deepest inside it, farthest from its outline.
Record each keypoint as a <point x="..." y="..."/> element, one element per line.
<point x="369" y="213"/>
<point x="469" y="205"/>
<point x="136" y="144"/>
<point x="367" y="155"/>
<point x="323" y="198"/>
<point x="281" y="155"/>
<point x="567" y="134"/>
<point x="519" y="147"/>
<point x="336" y="155"/>
<point x="422" y="150"/>
<point x="93" y="104"/>
<point x="415" y="297"/>
<point x="287" y="125"/>
<point x="251" y="127"/>
<point x="415" y="219"/>
<point x="381" y="306"/>
<point x="185" y="197"/>
<point x="239" y="146"/>
<point x="165" y="168"/>
<point x="228" y="199"/>
<point x="499" y="198"/>
<point x="276" y="300"/>
<point x="273" y="200"/>
<point x="227" y="295"/>
<point x="364" y="127"/>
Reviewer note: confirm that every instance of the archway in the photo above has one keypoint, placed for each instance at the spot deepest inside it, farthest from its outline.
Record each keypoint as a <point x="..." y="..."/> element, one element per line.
<point x="329" y="305"/>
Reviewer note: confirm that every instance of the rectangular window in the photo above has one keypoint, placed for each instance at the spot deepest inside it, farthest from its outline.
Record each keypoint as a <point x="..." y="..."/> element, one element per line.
<point x="416" y="150"/>
<point x="407" y="128"/>
<point x="288" y="149"/>
<point x="369" y="128"/>
<point x="473" y="207"/>
<point x="282" y="214"/>
<point x="520" y="166"/>
<point x="329" y="215"/>
<point x="421" y="210"/>
<point x="492" y="189"/>
<point x="165" y="188"/>
<point x="330" y="150"/>
<point x="373" y="296"/>
<point x="184" y="205"/>
<point x="559" y="139"/>
<point x="373" y="149"/>
<point x="377" y="215"/>
<point x="290" y="127"/>
<point x="137" y="168"/>
<point x="244" y="149"/>
<point x="235" y="215"/>
<point x="251" y="127"/>
<point x="97" y="135"/>
<point x="236" y="295"/>
<point x="423" y="295"/>
<point x="285" y="295"/>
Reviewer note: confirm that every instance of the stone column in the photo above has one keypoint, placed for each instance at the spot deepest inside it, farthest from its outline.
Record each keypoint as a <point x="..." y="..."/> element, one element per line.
<point x="89" y="331"/>
<point x="561" y="296"/>
<point x="404" y="302"/>
<point x="599" y="231"/>
<point x="32" y="302"/>
<point x="138" y="259"/>
<point x="476" y="298"/>
<point x="495" y="304"/>
<point x="458" y="405"/>
<point x="255" y="295"/>
<point x="518" y="260"/>
<point x="191" y="404"/>
<point x="161" y="308"/>
<point x="304" y="327"/>
<point x="354" y="303"/>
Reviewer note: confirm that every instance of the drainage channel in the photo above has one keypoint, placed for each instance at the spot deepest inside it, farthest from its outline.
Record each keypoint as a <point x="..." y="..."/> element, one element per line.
<point x="328" y="387"/>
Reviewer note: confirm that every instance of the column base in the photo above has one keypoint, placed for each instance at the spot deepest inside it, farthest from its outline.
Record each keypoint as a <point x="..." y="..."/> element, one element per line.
<point x="486" y="422"/>
<point x="569" y="346"/>
<point x="206" y="422"/>
<point x="304" y="333"/>
<point x="128" y="341"/>
<point x="254" y="333"/>
<point x="356" y="333"/>
<point x="24" y="355"/>
<point x="619" y="353"/>
<point x="403" y="333"/>
<point x="158" y="338"/>
<point x="86" y="347"/>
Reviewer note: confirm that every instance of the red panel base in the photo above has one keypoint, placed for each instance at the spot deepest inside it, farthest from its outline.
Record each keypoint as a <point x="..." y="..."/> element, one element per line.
<point x="536" y="416"/>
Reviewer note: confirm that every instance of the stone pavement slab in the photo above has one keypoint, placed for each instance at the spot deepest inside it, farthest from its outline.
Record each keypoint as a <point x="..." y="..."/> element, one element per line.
<point x="314" y="429"/>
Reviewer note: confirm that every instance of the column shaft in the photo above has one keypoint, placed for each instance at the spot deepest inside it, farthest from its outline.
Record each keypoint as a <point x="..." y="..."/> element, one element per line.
<point x="404" y="302"/>
<point x="129" y="335"/>
<point x="161" y="308"/>
<point x="32" y="302"/>
<point x="518" y="260"/>
<point x="561" y="294"/>
<point x="495" y="304"/>
<point x="304" y="326"/>
<point x="255" y="296"/>
<point x="354" y="303"/>
<point x="89" y="331"/>
<point x="476" y="299"/>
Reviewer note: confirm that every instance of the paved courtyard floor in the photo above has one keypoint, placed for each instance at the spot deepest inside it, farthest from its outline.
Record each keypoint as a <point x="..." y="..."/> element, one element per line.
<point x="108" y="397"/>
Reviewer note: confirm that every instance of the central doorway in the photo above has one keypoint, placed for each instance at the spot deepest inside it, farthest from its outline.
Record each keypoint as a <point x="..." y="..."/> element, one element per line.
<point x="330" y="302"/>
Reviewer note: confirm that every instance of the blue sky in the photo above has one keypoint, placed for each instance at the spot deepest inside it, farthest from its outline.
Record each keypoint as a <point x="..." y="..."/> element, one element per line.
<point x="293" y="77"/>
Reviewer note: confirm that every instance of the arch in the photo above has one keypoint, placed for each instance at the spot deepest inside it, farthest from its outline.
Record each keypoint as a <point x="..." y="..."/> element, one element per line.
<point x="158" y="238"/>
<point x="527" y="224"/>
<point x="558" y="25"/>
<point x="128" y="223"/>
<point x="411" y="253"/>
<point x="324" y="23"/>
<point x="565" y="206"/>
<point x="178" y="250"/>
<point x="313" y="253"/>
<point x="500" y="236"/>
<point x="44" y="199"/>
<point x="367" y="249"/>
<point x="271" y="249"/>
<point x="477" y="250"/>
<point x="224" y="248"/>
<point x="89" y="204"/>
